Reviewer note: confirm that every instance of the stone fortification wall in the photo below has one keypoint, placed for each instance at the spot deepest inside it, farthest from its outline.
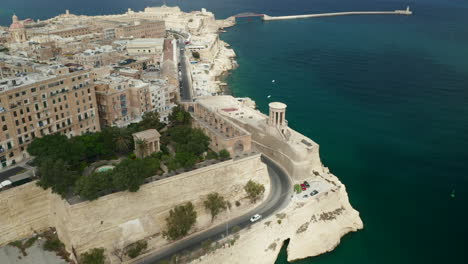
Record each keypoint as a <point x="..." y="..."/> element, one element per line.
<point x="124" y="217"/>
<point x="23" y="210"/>
<point x="300" y="162"/>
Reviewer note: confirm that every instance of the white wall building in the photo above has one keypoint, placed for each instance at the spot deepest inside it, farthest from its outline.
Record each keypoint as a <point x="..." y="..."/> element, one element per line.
<point x="151" y="46"/>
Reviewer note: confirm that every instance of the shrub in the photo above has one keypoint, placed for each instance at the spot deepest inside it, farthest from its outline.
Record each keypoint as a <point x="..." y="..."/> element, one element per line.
<point x="238" y="203"/>
<point x="135" y="249"/>
<point x="235" y="229"/>
<point x="93" y="256"/>
<point x="279" y="221"/>
<point x="224" y="155"/>
<point x="206" y="244"/>
<point x="53" y="244"/>
<point x="297" y="188"/>
<point x="211" y="155"/>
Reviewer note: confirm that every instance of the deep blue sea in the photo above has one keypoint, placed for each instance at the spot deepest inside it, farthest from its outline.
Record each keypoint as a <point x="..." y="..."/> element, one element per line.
<point x="386" y="97"/>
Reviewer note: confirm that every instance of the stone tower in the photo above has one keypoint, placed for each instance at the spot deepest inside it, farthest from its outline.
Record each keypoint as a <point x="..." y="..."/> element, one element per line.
<point x="17" y="30"/>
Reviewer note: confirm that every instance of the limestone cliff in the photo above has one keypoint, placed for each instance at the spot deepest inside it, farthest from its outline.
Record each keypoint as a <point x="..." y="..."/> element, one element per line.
<point x="314" y="226"/>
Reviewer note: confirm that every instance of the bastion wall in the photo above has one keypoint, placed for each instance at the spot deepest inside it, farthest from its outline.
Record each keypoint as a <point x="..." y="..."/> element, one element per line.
<point x="299" y="162"/>
<point x="122" y="218"/>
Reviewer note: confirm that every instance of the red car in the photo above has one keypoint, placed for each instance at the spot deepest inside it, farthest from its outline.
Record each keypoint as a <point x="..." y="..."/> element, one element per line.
<point x="303" y="187"/>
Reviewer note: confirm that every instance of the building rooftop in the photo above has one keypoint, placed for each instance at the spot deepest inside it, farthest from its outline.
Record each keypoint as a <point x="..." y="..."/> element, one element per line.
<point x="147" y="134"/>
<point x="147" y="41"/>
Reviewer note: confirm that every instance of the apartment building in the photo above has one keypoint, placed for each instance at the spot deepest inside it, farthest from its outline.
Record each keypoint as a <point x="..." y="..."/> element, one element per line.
<point x="52" y="100"/>
<point x="121" y="100"/>
<point x="140" y="29"/>
<point x="71" y="32"/>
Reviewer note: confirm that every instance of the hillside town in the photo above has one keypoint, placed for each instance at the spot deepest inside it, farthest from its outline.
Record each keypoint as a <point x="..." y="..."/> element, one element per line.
<point x="118" y="145"/>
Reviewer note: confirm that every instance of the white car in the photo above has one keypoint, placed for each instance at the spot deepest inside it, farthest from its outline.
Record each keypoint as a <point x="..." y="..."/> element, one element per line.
<point x="255" y="218"/>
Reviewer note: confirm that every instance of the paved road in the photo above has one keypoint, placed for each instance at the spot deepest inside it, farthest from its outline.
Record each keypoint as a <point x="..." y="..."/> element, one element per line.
<point x="186" y="91"/>
<point x="279" y="198"/>
<point x="4" y="175"/>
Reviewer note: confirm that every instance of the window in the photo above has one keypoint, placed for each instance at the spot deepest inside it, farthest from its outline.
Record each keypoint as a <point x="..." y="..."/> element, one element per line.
<point x="4" y="128"/>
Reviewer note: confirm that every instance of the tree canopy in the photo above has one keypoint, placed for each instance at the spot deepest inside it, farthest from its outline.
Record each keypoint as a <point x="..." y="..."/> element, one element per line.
<point x="180" y="117"/>
<point x="180" y="220"/>
<point x="254" y="190"/>
<point x="224" y="154"/>
<point x="215" y="203"/>
<point x="55" y="174"/>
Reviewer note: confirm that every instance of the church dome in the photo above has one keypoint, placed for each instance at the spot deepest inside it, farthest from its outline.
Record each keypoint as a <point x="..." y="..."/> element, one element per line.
<point x="15" y="23"/>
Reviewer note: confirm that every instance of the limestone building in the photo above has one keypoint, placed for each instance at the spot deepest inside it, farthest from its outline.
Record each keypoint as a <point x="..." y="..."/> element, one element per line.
<point x="52" y="100"/>
<point x="17" y="30"/>
<point x="141" y="29"/>
<point x="269" y="134"/>
<point x="121" y="100"/>
<point x="146" y="143"/>
<point x="145" y="47"/>
<point x="224" y="133"/>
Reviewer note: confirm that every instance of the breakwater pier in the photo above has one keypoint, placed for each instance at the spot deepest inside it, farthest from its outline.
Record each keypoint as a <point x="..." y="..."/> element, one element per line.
<point x="407" y="11"/>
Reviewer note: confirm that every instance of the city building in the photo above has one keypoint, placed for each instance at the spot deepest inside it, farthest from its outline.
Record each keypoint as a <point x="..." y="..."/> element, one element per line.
<point x="140" y="29"/>
<point x="160" y="99"/>
<point x="139" y="47"/>
<point x="224" y="133"/>
<point x="98" y="57"/>
<point x="17" y="30"/>
<point x="70" y="31"/>
<point x="56" y="99"/>
<point x="121" y="100"/>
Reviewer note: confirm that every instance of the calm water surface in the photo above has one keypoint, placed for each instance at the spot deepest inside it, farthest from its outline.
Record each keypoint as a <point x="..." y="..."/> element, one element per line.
<point x="386" y="97"/>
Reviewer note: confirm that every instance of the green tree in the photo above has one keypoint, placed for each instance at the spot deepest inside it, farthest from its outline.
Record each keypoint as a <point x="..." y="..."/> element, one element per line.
<point x="151" y="120"/>
<point x="57" y="146"/>
<point x="224" y="155"/>
<point x="122" y="140"/>
<point x="55" y="174"/>
<point x="188" y="139"/>
<point x="180" y="117"/>
<point x="91" y="186"/>
<point x="254" y="190"/>
<point x="93" y="256"/>
<point x="215" y="203"/>
<point x="151" y="166"/>
<point x="211" y="155"/>
<point x="129" y="175"/>
<point x="186" y="160"/>
<point x="196" y="54"/>
<point x="180" y="220"/>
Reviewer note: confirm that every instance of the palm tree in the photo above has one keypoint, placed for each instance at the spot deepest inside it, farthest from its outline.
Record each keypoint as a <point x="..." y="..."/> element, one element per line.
<point x="141" y="147"/>
<point x="122" y="141"/>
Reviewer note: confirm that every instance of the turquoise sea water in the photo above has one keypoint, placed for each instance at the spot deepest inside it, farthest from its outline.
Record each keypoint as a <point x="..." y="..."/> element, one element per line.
<point x="386" y="97"/>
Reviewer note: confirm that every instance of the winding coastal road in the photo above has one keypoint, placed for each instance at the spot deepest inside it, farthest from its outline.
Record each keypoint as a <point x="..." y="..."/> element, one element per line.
<point x="279" y="198"/>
